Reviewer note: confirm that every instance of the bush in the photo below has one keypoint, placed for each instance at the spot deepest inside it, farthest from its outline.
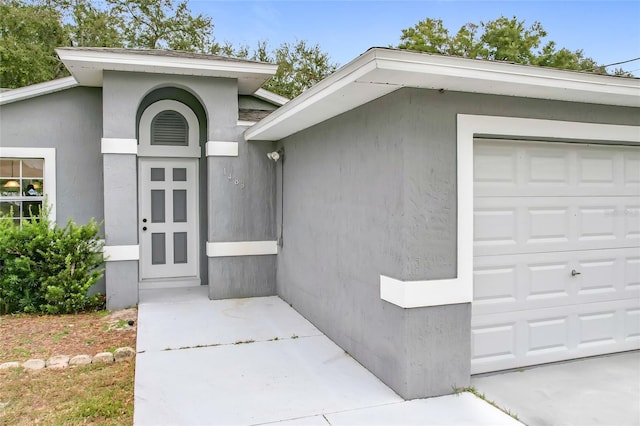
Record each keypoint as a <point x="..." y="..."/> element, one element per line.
<point x="47" y="268"/>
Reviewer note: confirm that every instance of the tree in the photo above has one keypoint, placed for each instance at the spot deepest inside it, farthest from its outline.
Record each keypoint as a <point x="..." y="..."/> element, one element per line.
<point x="502" y="39"/>
<point x="92" y="27"/>
<point x="300" y="66"/>
<point x="29" y="33"/>
<point x="163" y="24"/>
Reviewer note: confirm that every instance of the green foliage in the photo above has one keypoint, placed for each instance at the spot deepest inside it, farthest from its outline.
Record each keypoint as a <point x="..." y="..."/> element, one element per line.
<point x="47" y="268"/>
<point x="502" y="39"/>
<point x="300" y="65"/>
<point x="162" y="24"/>
<point x="29" y="33"/>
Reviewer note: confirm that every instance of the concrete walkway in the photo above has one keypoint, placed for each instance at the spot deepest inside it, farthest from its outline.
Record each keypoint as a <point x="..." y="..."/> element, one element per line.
<point x="592" y="391"/>
<point x="257" y="361"/>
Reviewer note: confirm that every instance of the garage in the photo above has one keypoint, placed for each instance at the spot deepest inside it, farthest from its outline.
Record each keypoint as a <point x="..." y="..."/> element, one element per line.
<point x="556" y="252"/>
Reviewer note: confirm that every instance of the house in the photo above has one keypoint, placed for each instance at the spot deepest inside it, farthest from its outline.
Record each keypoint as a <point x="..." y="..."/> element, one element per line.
<point x="436" y="217"/>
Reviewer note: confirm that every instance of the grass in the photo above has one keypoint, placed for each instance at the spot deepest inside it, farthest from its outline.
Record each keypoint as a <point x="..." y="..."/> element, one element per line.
<point x="84" y="395"/>
<point x="483" y="397"/>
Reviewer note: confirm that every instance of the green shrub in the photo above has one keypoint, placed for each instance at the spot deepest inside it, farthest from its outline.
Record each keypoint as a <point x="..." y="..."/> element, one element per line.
<point x="47" y="268"/>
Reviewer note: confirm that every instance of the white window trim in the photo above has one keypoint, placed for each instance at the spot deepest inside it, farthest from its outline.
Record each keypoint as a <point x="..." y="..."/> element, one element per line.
<point x="49" y="172"/>
<point x="145" y="149"/>
<point x="414" y="294"/>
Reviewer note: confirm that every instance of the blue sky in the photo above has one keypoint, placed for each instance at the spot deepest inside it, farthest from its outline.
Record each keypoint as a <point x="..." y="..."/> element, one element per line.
<point x="607" y="30"/>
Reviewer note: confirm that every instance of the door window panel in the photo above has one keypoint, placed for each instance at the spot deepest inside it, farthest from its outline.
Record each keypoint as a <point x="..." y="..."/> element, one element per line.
<point x="157" y="206"/>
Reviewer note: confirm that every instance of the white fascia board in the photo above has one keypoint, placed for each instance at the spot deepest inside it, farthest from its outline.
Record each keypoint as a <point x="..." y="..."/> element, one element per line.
<point x="318" y="103"/>
<point x="27" y="92"/>
<point x="382" y="71"/>
<point x="88" y="67"/>
<point x="268" y="96"/>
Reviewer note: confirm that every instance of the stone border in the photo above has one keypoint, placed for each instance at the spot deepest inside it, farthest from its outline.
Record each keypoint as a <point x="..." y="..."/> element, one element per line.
<point x="64" y="361"/>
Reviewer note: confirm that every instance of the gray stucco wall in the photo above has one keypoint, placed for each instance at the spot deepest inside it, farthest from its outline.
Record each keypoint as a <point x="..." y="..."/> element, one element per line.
<point x="71" y="122"/>
<point x="371" y="192"/>
<point x="241" y="208"/>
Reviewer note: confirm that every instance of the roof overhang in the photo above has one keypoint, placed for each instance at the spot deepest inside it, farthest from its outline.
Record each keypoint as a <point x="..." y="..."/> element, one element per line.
<point x="27" y="92"/>
<point x="380" y="71"/>
<point x="88" y="66"/>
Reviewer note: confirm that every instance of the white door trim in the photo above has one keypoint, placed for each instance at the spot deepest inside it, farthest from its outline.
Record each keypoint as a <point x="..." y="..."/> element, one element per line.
<point x="413" y="294"/>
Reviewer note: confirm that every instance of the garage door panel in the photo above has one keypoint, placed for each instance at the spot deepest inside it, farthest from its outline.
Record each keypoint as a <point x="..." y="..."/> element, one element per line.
<point x="555" y="168"/>
<point x="553" y="334"/>
<point x="514" y="283"/>
<point x="505" y="225"/>
<point x="556" y="252"/>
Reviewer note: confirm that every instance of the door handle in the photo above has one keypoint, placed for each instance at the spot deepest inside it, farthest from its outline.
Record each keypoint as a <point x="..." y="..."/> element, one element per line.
<point x="144" y="220"/>
<point x="144" y="228"/>
<point x="574" y="273"/>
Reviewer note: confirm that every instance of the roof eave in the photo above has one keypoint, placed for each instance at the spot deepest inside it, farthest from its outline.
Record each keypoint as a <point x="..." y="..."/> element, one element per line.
<point x="381" y="71"/>
<point x="88" y="67"/>
<point x="39" y="89"/>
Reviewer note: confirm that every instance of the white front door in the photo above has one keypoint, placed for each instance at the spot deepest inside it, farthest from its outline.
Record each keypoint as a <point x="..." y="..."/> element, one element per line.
<point x="168" y="222"/>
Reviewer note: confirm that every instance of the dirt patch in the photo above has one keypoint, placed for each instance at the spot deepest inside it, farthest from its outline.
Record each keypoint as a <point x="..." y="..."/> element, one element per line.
<point x="42" y="336"/>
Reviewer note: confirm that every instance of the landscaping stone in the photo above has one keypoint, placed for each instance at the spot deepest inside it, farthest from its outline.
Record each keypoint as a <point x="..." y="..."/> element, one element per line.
<point x="103" y="358"/>
<point x="122" y="354"/>
<point x="58" y="361"/>
<point x="10" y="365"/>
<point x="33" y="364"/>
<point x="80" y="360"/>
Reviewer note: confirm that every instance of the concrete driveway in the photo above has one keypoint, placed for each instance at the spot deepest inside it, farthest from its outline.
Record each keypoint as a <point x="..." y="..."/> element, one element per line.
<point x="257" y="361"/>
<point x="593" y="391"/>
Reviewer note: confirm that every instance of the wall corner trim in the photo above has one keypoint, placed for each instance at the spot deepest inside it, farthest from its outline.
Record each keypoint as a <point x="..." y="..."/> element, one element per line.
<point x="119" y="146"/>
<point x="415" y="294"/>
<point x="241" y="248"/>
<point x="120" y="253"/>
<point x="222" y="149"/>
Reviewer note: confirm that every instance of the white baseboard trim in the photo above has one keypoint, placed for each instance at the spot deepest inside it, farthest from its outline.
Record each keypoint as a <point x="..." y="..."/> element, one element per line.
<point x="415" y="294"/>
<point x="242" y="248"/>
<point x="221" y="149"/>
<point x="119" y="146"/>
<point x="120" y="253"/>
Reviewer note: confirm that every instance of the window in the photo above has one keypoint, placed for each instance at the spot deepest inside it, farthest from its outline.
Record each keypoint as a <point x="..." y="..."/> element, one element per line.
<point x="27" y="176"/>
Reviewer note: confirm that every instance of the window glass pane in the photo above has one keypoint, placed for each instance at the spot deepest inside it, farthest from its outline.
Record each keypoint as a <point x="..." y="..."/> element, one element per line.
<point x="179" y="205"/>
<point x="157" y="174"/>
<point x="158" y="249"/>
<point x="10" y="208"/>
<point x="10" y="187"/>
<point x="32" y="187"/>
<point x="180" y="175"/>
<point x="33" y="168"/>
<point x="179" y="247"/>
<point x="31" y="208"/>
<point x="9" y="168"/>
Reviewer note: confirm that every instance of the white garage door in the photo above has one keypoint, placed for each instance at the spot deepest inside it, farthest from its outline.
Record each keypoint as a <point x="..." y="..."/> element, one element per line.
<point x="556" y="252"/>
